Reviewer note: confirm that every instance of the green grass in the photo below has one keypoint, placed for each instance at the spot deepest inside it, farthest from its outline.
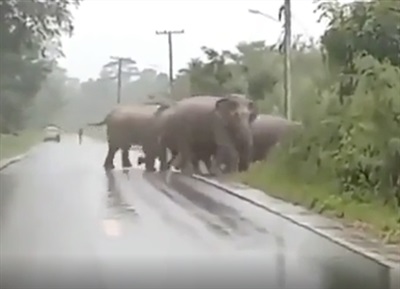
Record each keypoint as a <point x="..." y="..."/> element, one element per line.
<point x="11" y="146"/>
<point x="373" y="217"/>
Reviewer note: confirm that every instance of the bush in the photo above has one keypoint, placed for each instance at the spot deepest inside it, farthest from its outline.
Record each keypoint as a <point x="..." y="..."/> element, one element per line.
<point x="355" y="141"/>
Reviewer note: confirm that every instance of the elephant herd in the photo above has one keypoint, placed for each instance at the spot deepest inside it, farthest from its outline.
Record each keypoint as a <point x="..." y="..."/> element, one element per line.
<point x="226" y="133"/>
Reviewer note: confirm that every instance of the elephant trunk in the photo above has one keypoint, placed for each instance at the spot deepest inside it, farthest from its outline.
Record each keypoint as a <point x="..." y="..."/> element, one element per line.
<point x="244" y="146"/>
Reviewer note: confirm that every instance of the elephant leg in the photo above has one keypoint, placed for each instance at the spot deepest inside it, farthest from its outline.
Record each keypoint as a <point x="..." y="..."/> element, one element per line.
<point x="149" y="163"/>
<point x="109" y="161"/>
<point x="140" y="160"/>
<point x="164" y="165"/>
<point x="177" y="163"/>
<point x="126" y="163"/>
<point x="223" y="163"/>
<point x="215" y="168"/>
<point x="261" y="154"/>
<point x="229" y="155"/>
<point x="196" y="166"/>
<point x="149" y="157"/>
<point x="171" y="161"/>
<point x="243" y="165"/>
<point x="184" y="160"/>
<point x="208" y="164"/>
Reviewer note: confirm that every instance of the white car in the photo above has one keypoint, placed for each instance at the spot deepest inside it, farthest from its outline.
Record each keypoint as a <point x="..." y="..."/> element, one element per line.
<point x="52" y="133"/>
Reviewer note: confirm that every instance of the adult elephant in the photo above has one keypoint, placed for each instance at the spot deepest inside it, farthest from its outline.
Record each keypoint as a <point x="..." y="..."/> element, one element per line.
<point x="211" y="123"/>
<point x="129" y="125"/>
<point x="267" y="131"/>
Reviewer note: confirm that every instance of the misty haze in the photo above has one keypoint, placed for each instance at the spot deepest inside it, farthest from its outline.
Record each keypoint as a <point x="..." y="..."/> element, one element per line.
<point x="249" y="144"/>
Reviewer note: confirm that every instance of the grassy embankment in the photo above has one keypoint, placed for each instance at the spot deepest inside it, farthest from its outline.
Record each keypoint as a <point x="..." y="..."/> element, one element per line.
<point x="11" y="146"/>
<point x="373" y="217"/>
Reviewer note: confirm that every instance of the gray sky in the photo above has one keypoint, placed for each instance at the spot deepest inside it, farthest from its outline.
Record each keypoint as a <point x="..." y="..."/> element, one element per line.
<point x="127" y="28"/>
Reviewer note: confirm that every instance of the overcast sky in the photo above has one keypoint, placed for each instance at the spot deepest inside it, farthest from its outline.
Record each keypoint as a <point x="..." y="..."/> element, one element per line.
<point x="127" y="28"/>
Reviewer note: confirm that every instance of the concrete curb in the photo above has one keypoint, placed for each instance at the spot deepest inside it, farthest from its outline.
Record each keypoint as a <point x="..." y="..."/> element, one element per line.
<point x="7" y="162"/>
<point x="385" y="255"/>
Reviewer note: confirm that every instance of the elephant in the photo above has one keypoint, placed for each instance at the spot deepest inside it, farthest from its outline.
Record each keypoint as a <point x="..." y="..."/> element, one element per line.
<point x="207" y="124"/>
<point x="267" y="131"/>
<point x="130" y="125"/>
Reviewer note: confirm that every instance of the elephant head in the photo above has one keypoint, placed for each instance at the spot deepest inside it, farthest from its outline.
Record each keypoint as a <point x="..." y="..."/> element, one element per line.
<point x="237" y="114"/>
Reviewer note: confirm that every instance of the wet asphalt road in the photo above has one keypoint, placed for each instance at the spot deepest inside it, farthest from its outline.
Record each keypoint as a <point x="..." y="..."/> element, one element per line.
<point x="65" y="223"/>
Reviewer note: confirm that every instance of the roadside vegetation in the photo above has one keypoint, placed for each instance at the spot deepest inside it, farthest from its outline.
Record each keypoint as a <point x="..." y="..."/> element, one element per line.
<point x="11" y="146"/>
<point x="32" y="84"/>
<point x="345" y="162"/>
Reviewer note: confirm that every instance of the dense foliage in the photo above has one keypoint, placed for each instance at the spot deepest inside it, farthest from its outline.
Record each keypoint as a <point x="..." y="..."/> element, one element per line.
<point x="345" y="91"/>
<point x="30" y="44"/>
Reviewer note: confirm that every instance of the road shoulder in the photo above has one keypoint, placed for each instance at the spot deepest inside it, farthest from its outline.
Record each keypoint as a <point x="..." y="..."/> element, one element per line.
<point x="7" y="162"/>
<point x="13" y="146"/>
<point x="337" y="232"/>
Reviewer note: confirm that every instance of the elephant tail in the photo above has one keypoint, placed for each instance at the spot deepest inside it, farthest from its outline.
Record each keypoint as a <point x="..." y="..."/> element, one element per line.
<point x="103" y="122"/>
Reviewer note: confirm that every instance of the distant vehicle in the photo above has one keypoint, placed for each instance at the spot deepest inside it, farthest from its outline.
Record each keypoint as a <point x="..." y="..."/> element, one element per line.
<point x="52" y="133"/>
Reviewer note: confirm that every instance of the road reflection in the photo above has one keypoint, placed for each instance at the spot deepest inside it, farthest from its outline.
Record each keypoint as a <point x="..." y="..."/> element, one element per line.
<point x="115" y="200"/>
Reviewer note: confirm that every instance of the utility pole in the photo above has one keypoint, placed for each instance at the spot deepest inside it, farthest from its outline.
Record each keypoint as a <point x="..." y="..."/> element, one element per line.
<point x="169" y="33"/>
<point x="119" y="76"/>
<point x="287" y="66"/>
<point x="120" y="61"/>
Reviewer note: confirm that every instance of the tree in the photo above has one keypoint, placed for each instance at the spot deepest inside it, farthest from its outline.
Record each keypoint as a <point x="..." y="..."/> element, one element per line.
<point x="55" y="92"/>
<point x="246" y="71"/>
<point x="28" y="30"/>
<point x="369" y="27"/>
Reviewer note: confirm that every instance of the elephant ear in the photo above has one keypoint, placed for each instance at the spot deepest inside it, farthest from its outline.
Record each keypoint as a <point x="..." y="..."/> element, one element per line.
<point x="253" y="111"/>
<point x="226" y="106"/>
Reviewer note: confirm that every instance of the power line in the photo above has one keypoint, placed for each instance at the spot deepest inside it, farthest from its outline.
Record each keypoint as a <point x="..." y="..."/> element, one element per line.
<point x="169" y="33"/>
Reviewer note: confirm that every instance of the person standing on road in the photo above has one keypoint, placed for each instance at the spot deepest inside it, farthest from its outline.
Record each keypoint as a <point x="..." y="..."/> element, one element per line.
<point x="80" y="134"/>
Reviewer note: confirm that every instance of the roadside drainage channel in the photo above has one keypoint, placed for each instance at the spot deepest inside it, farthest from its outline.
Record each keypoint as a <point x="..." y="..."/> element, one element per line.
<point x="385" y="255"/>
<point x="7" y="162"/>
